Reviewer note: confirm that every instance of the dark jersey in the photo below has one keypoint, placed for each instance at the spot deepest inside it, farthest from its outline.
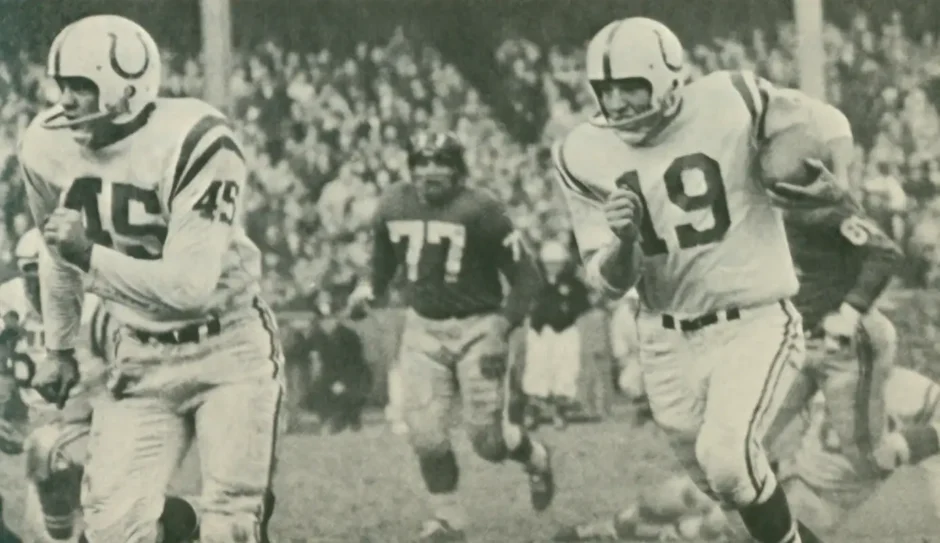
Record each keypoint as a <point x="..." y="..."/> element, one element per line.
<point x="841" y="257"/>
<point x="452" y="255"/>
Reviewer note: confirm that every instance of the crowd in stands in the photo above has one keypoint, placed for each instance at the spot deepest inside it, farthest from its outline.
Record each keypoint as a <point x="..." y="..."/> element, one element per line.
<point x="325" y="134"/>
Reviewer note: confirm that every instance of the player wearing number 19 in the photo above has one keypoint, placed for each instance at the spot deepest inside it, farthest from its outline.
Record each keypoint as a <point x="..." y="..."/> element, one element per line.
<point x="452" y="242"/>
<point x="138" y="199"/>
<point x="662" y="192"/>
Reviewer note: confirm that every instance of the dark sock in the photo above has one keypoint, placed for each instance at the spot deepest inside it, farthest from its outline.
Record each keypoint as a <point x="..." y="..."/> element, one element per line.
<point x="922" y="442"/>
<point x="522" y="453"/>
<point x="770" y="521"/>
<point x="440" y="472"/>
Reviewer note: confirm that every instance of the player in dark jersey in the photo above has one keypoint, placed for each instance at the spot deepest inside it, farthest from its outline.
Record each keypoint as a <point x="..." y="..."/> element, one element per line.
<point x="452" y="243"/>
<point x="844" y="261"/>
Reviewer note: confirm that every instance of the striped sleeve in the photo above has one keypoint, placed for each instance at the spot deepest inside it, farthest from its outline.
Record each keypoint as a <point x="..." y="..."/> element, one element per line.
<point x="204" y="140"/>
<point x="568" y="181"/>
<point x="755" y="92"/>
<point x="584" y="209"/>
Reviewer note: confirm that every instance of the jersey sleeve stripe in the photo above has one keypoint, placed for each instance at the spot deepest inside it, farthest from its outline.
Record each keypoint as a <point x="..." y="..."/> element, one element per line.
<point x="569" y="181"/>
<point x="224" y="141"/>
<point x="195" y="135"/>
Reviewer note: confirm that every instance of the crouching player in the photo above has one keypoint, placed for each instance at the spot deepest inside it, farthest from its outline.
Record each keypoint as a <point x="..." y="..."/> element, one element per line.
<point x="822" y="483"/>
<point x="55" y="447"/>
<point x="452" y="243"/>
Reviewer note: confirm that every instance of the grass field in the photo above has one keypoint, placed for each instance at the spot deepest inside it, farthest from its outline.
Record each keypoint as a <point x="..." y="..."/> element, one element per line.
<point x="357" y="488"/>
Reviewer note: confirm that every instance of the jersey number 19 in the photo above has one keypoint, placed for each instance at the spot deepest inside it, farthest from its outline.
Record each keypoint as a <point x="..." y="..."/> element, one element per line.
<point x="714" y="199"/>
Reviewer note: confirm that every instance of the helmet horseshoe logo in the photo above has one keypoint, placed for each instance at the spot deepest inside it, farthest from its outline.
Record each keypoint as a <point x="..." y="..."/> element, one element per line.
<point x="673" y="66"/>
<point x="116" y="66"/>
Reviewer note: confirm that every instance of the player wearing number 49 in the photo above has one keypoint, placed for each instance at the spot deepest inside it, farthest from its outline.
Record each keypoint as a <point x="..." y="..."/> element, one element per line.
<point x="452" y="242"/>
<point x="138" y="198"/>
<point x="663" y="193"/>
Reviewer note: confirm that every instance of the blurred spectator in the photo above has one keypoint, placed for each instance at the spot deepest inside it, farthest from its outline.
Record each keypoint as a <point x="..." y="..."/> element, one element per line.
<point x="343" y="380"/>
<point x="553" y="342"/>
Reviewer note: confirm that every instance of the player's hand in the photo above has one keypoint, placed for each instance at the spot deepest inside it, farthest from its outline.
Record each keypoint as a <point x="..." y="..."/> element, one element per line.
<point x="360" y="302"/>
<point x="56" y="378"/>
<point x="840" y="327"/>
<point x="64" y="233"/>
<point x="823" y="191"/>
<point x="624" y="211"/>
<point x="495" y="350"/>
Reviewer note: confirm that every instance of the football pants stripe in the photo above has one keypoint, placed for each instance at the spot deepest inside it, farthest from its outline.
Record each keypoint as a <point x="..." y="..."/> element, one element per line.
<point x="269" y="323"/>
<point x="188" y="147"/>
<point x="791" y="329"/>
<point x="568" y="180"/>
<point x="864" y="393"/>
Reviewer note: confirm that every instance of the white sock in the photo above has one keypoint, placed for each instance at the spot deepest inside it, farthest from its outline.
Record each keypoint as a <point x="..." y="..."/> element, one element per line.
<point x="448" y="507"/>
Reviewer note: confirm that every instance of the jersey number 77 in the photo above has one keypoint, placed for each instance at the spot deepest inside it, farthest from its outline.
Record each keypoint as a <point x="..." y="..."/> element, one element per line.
<point x="714" y="198"/>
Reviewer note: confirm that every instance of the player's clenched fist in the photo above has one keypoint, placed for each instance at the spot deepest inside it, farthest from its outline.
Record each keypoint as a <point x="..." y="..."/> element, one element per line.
<point x="624" y="211"/>
<point x="64" y="233"/>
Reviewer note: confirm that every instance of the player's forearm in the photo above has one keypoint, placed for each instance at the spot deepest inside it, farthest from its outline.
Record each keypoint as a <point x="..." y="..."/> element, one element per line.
<point x="881" y="263"/>
<point x="613" y="269"/>
<point x="61" y="297"/>
<point x="179" y="285"/>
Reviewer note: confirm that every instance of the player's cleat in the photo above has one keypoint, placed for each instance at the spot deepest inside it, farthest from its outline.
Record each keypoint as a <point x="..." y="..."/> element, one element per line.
<point x="179" y="521"/>
<point x="440" y="531"/>
<point x="541" y="481"/>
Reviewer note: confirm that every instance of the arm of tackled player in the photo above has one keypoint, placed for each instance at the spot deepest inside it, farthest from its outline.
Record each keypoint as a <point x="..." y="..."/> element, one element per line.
<point x="880" y="257"/>
<point x="204" y="206"/>
<point x="517" y="264"/>
<point x="62" y="289"/>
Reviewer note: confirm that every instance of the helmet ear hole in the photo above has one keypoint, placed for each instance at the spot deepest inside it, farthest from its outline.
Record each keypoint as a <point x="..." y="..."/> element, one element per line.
<point x="130" y="91"/>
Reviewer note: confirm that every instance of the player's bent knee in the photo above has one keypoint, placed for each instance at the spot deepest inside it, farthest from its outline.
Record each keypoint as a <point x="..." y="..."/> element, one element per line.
<point x="734" y="468"/>
<point x="489" y="443"/>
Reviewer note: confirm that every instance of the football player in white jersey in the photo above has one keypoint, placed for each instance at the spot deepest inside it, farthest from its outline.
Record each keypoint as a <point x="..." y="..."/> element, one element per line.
<point x="56" y="444"/>
<point x="823" y="482"/>
<point x="662" y="190"/>
<point x="139" y="201"/>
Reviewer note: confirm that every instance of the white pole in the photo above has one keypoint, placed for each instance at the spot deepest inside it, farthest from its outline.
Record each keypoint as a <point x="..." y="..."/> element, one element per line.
<point x="810" y="54"/>
<point x="216" y="21"/>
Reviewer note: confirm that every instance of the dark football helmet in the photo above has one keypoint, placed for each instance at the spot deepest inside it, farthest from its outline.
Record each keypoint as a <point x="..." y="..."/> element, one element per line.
<point x="437" y="164"/>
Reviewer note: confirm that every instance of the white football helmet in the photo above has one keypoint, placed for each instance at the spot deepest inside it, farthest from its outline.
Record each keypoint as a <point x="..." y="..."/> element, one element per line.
<point x="27" y="249"/>
<point x="637" y="48"/>
<point x="118" y="56"/>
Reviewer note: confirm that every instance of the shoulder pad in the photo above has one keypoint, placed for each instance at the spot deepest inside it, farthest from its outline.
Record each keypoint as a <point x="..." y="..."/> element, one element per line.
<point x="196" y="131"/>
<point x="37" y="145"/>
<point x="582" y="160"/>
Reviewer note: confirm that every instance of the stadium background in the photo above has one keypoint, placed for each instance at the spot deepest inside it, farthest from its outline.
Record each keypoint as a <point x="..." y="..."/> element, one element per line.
<point x="324" y="94"/>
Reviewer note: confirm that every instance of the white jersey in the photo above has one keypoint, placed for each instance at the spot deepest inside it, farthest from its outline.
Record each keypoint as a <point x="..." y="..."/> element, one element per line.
<point x="911" y="399"/>
<point x="32" y="347"/>
<point x="710" y="237"/>
<point x="162" y="201"/>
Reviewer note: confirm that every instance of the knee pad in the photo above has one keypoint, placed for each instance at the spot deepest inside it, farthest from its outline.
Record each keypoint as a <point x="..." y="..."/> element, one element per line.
<point x="489" y="443"/>
<point x="56" y="476"/>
